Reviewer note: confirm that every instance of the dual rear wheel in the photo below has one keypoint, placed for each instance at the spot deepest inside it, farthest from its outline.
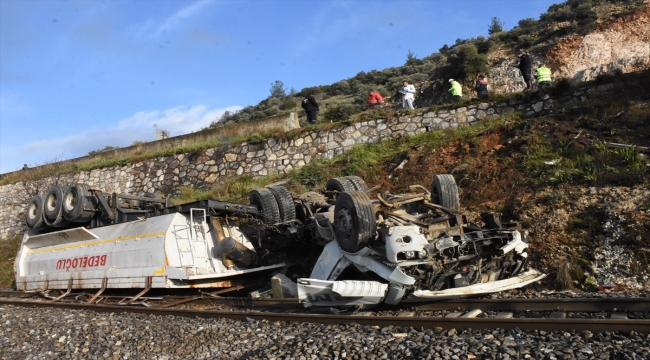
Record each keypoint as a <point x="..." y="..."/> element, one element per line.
<point x="275" y="203"/>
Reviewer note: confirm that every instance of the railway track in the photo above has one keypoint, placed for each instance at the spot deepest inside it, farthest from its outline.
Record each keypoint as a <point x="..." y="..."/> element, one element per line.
<point x="593" y="314"/>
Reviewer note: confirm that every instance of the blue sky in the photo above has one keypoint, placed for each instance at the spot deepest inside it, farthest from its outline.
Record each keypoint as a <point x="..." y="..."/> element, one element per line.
<point x="79" y="75"/>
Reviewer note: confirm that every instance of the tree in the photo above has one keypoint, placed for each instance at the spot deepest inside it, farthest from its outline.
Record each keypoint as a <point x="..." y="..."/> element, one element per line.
<point x="495" y="26"/>
<point x="277" y="89"/>
<point x="411" y="59"/>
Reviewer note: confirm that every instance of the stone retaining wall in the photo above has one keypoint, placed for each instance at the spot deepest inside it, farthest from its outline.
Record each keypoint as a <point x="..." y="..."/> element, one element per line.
<point x="202" y="169"/>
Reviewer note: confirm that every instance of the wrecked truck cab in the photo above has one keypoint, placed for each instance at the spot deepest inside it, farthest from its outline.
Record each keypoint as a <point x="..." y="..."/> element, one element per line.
<point x="406" y="248"/>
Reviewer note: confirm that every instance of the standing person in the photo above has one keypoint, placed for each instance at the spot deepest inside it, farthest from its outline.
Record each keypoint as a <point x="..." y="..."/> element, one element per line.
<point x="456" y="90"/>
<point x="374" y="99"/>
<point x="543" y="76"/>
<point x="525" y="66"/>
<point x="481" y="87"/>
<point x="408" y="92"/>
<point x="311" y="108"/>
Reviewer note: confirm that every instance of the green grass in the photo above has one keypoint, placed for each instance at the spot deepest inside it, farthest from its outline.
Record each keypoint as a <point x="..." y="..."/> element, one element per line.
<point x="619" y="116"/>
<point x="8" y="250"/>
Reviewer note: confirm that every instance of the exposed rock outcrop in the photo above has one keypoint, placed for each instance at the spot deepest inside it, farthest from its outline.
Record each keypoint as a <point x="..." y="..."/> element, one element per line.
<point x="623" y="44"/>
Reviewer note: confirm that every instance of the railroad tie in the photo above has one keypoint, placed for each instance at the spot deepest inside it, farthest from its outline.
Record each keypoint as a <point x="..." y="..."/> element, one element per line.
<point x="472" y="314"/>
<point x="618" y="316"/>
<point x="407" y="314"/>
<point x="504" y="315"/>
<point x="453" y="314"/>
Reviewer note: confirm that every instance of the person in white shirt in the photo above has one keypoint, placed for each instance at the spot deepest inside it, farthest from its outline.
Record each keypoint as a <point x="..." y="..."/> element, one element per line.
<point x="408" y="92"/>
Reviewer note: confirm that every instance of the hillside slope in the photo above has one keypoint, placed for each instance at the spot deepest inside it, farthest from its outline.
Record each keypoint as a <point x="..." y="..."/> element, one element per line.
<point x="580" y="39"/>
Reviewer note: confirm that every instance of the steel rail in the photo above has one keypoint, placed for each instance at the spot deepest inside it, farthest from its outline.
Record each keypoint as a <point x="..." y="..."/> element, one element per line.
<point x="575" y="305"/>
<point x="594" y="325"/>
<point x="518" y="304"/>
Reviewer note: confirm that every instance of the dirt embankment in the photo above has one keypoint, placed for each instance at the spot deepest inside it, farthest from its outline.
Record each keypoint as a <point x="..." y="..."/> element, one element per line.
<point x="598" y="235"/>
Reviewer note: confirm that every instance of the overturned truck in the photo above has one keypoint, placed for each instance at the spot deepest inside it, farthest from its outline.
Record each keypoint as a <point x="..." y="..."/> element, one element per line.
<point x="82" y="238"/>
<point x="391" y="248"/>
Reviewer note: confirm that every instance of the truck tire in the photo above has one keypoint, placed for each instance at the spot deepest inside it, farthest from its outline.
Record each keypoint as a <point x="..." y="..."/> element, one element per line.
<point x="358" y="183"/>
<point x="285" y="203"/>
<point x="355" y="224"/>
<point x="265" y="202"/>
<point x="34" y="212"/>
<point x="339" y="184"/>
<point x="79" y="205"/>
<point x="444" y="191"/>
<point x="53" y="206"/>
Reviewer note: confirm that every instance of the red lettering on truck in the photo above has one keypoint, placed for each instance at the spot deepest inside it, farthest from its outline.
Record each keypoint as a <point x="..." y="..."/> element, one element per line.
<point x="81" y="262"/>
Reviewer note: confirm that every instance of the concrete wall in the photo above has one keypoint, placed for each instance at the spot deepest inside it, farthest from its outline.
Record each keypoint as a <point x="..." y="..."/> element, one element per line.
<point x="202" y="169"/>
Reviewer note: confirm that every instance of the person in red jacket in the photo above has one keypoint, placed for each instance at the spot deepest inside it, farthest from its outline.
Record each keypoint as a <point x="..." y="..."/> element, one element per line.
<point x="374" y="100"/>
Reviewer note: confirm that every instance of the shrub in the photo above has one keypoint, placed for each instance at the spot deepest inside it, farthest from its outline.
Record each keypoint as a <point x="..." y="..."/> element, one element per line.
<point x="255" y="138"/>
<point x="339" y="112"/>
<point x="271" y="111"/>
<point x="483" y="45"/>
<point x="340" y="88"/>
<point x="464" y="62"/>
<point x="288" y="104"/>
<point x="527" y="24"/>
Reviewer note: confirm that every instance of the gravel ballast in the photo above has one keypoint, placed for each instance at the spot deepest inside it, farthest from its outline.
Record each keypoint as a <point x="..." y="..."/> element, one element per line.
<point x="39" y="333"/>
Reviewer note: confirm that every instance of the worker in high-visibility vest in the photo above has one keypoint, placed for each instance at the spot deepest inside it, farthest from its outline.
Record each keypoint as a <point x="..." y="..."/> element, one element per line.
<point x="543" y="76"/>
<point x="456" y="90"/>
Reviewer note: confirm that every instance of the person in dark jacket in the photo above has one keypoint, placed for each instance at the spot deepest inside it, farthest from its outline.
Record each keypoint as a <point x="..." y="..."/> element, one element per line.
<point x="525" y="66"/>
<point x="311" y="108"/>
<point x="481" y="87"/>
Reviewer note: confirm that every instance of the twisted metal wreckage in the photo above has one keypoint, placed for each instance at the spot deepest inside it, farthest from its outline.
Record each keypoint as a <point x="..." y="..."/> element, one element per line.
<point x="393" y="248"/>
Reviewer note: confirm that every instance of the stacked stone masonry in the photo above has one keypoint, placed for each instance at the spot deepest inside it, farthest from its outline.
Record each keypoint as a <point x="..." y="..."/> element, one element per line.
<point x="202" y="169"/>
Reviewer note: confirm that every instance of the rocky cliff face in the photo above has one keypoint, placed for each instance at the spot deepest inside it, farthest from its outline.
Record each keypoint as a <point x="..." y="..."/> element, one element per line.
<point x="623" y="44"/>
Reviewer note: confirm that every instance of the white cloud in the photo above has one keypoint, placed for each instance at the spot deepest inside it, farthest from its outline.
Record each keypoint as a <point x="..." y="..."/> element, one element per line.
<point x="141" y="126"/>
<point x="182" y="15"/>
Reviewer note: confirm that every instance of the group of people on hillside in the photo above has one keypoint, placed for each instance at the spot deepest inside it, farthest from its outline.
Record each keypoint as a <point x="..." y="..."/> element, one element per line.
<point x="542" y="74"/>
<point x="408" y="95"/>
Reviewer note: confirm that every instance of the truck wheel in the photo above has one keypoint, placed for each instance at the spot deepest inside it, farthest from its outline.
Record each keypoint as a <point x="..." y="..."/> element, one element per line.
<point x="34" y="212"/>
<point x="52" y="207"/>
<point x="79" y="205"/>
<point x="285" y="203"/>
<point x="444" y="191"/>
<point x="265" y="202"/>
<point x="355" y="223"/>
<point x="358" y="183"/>
<point x="340" y="184"/>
